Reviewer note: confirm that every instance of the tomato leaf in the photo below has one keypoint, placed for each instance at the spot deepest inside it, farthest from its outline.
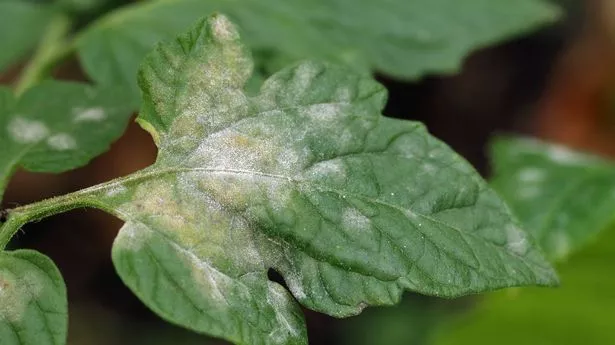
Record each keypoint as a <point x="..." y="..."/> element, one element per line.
<point x="33" y="305"/>
<point x="403" y="38"/>
<point x="564" y="198"/>
<point x="307" y="178"/>
<point x="21" y="25"/>
<point x="57" y="126"/>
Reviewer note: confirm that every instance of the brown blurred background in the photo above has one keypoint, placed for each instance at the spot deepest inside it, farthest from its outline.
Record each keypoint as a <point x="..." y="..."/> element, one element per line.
<point x="557" y="84"/>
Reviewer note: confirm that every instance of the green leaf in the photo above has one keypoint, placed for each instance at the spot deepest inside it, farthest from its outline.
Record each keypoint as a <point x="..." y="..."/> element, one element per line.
<point x="306" y="178"/>
<point x="403" y="38"/>
<point x="564" y="198"/>
<point x="21" y="25"/>
<point x="579" y="312"/>
<point x="33" y="306"/>
<point x="57" y="126"/>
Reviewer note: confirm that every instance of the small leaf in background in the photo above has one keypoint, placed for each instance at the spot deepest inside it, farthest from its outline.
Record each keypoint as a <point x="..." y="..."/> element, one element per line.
<point x="21" y="25"/>
<point x="57" y="126"/>
<point x="33" y="305"/>
<point x="402" y="38"/>
<point x="563" y="197"/>
<point x="307" y="178"/>
<point x="580" y="312"/>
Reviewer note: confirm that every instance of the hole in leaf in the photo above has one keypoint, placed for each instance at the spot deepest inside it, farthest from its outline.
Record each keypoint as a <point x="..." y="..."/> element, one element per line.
<point x="275" y="276"/>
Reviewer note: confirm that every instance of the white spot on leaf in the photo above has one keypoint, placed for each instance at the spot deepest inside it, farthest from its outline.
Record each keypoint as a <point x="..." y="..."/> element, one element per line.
<point x="323" y="112"/>
<point x="563" y="155"/>
<point x="62" y="142"/>
<point x="116" y="190"/>
<point x="224" y="29"/>
<point x="531" y="175"/>
<point x="353" y="219"/>
<point x="16" y="293"/>
<point x="89" y="115"/>
<point x="516" y="240"/>
<point x="25" y="131"/>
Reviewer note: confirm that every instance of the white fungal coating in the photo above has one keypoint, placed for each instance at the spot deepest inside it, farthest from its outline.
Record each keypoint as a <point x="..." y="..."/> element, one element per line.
<point x="26" y="131"/>
<point x="353" y="219"/>
<point x="62" y="142"/>
<point x="516" y="241"/>
<point x="96" y="114"/>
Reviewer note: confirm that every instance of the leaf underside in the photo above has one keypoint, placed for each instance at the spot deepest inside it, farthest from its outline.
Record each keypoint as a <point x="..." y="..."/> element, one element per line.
<point x="564" y="198"/>
<point x="402" y="38"/>
<point x="33" y="305"/>
<point x="307" y="178"/>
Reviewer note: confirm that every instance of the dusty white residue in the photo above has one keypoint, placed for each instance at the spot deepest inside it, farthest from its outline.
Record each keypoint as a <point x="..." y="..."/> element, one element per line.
<point x="563" y="155"/>
<point x="132" y="236"/>
<point x="347" y="138"/>
<point x="516" y="240"/>
<point x="429" y="168"/>
<point x="343" y="95"/>
<point x="62" y="142"/>
<point x="411" y="215"/>
<point x="291" y="159"/>
<point x="325" y="112"/>
<point x="528" y="175"/>
<point x="303" y="76"/>
<point x="116" y="190"/>
<point x="17" y="293"/>
<point x="211" y="282"/>
<point x="228" y="150"/>
<point x="96" y="114"/>
<point x="281" y="303"/>
<point x="223" y="28"/>
<point x="353" y="219"/>
<point x="294" y="284"/>
<point x="329" y="169"/>
<point x="25" y="131"/>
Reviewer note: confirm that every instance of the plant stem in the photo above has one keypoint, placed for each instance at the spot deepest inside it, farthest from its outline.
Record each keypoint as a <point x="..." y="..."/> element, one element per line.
<point x="53" y="47"/>
<point x="95" y="196"/>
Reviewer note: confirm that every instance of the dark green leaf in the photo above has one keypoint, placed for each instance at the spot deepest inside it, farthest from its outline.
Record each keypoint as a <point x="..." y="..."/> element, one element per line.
<point x="21" y="25"/>
<point x="57" y="126"/>
<point x="307" y="178"/>
<point x="403" y="38"/>
<point x="33" y="306"/>
<point x="564" y="198"/>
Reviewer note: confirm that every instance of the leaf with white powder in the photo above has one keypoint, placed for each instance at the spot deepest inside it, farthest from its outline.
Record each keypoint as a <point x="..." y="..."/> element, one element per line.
<point x="57" y="126"/>
<point x="33" y="305"/>
<point x="563" y="197"/>
<point x="307" y="178"/>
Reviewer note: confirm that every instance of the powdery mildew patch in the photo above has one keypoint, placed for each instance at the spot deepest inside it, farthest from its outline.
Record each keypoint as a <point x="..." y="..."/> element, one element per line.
<point x="62" y="142"/>
<point x="16" y="293"/>
<point x="516" y="241"/>
<point x="281" y="302"/>
<point x="26" y="131"/>
<point x="528" y="175"/>
<point x="89" y="115"/>
<point x="353" y="219"/>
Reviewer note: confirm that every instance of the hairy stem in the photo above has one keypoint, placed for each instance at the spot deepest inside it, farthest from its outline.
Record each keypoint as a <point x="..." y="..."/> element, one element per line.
<point x="94" y="197"/>
<point x="53" y="47"/>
